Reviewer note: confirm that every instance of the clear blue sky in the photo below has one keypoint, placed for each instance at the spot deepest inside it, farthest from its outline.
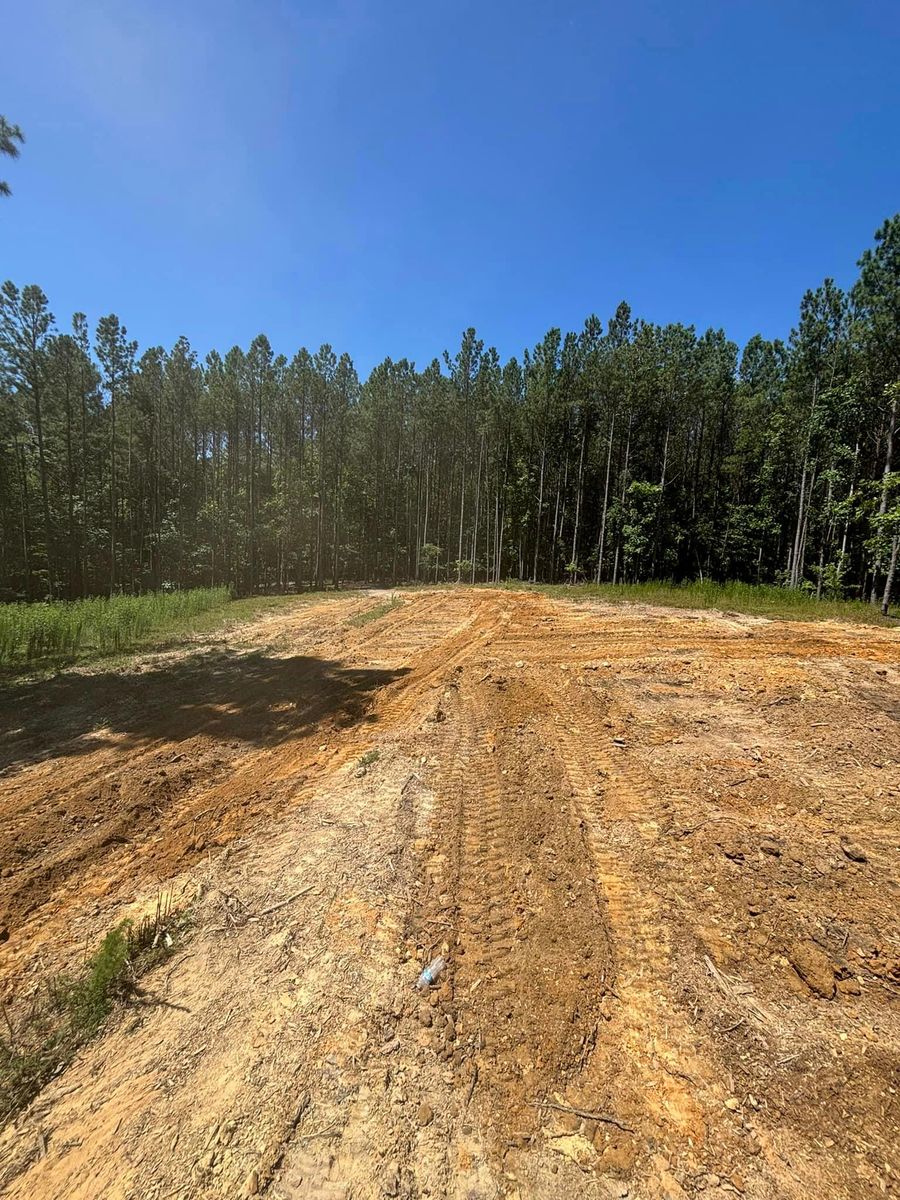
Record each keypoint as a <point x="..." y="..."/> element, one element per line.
<point x="381" y="174"/>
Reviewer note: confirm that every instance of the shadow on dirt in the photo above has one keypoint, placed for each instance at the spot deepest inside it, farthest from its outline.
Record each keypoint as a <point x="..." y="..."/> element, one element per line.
<point x="252" y="698"/>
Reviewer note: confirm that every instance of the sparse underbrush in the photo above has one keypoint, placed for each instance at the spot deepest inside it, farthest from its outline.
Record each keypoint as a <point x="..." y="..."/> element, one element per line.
<point x="754" y="599"/>
<point x="69" y="1010"/>
<point x="380" y="610"/>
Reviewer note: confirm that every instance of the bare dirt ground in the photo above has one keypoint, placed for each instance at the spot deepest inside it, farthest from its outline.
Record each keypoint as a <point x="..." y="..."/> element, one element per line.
<point x="659" y="849"/>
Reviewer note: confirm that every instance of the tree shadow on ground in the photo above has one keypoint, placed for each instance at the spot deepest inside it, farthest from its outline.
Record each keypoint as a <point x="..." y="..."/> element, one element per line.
<point x="253" y="698"/>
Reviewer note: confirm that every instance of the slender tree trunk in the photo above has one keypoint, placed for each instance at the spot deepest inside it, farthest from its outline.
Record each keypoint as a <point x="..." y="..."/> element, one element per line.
<point x="45" y="494"/>
<point x="537" y="536"/>
<point x="796" y="567"/>
<point x="892" y="570"/>
<point x="885" y="475"/>
<point x="574" y="572"/>
<point x="112" y="491"/>
<point x="826" y="536"/>
<point x="602" y="539"/>
<point x="477" y="508"/>
<point x="23" y="490"/>
<point x="622" y="501"/>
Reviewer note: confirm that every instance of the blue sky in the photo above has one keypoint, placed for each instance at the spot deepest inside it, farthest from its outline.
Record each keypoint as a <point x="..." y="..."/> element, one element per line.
<point x="380" y="175"/>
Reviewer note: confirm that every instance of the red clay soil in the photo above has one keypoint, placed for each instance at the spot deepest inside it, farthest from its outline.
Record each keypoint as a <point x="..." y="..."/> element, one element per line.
<point x="658" y="849"/>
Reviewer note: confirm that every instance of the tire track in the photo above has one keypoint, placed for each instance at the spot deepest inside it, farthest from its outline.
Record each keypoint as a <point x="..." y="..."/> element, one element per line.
<point x="509" y="890"/>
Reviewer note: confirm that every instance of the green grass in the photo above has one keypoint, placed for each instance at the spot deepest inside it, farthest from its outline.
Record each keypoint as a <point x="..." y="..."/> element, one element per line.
<point x="64" y="630"/>
<point x="756" y="600"/>
<point x="37" y="636"/>
<point x="70" y="1010"/>
<point x="372" y="614"/>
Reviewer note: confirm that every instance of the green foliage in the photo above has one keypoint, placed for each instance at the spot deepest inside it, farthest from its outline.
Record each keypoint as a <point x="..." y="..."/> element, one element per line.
<point x="641" y="511"/>
<point x="11" y="137"/>
<point x="430" y="557"/>
<point x="61" y="630"/>
<point x="756" y="600"/>
<point x="70" y="1010"/>
<point x="372" y="614"/>
<point x="625" y="449"/>
<point x="833" y="578"/>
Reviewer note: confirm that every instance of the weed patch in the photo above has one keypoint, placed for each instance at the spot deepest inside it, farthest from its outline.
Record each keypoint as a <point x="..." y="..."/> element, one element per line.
<point x="372" y="614"/>
<point x="70" y="1009"/>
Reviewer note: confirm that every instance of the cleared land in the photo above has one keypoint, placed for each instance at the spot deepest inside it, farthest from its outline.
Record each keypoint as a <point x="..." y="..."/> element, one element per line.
<point x="658" y="847"/>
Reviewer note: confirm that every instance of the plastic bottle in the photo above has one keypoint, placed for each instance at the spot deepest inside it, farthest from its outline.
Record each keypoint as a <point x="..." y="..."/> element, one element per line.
<point x="430" y="974"/>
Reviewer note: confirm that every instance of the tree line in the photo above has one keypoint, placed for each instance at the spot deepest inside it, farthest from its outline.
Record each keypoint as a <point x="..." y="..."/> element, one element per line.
<point x="620" y="452"/>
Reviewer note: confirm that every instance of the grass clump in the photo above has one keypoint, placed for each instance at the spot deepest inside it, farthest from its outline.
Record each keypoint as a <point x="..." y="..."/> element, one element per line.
<point x="69" y="1010"/>
<point x="369" y="758"/>
<point x="63" y="630"/>
<point x="380" y="610"/>
<point x="791" y="604"/>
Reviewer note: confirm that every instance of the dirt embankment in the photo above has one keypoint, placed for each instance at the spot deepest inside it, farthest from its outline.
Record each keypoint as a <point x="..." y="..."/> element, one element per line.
<point x="658" y="849"/>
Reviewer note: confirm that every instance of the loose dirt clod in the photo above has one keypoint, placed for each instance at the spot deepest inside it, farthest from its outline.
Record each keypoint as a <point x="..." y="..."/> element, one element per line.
<point x="645" y="871"/>
<point x="813" y="965"/>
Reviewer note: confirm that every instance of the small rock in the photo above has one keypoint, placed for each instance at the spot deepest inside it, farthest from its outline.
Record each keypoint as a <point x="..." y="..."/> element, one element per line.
<point x="814" y="967"/>
<point x="848" y="987"/>
<point x="732" y="1104"/>
<point x="251" y="1184"/>
<point x="854" y="853"/>
<point x="425" y="1115"/>
<point x="737" y="1182"/>
<point x="616" y="1158"/>
<point x="770" y="847"/>
<point x="520" y="663"/>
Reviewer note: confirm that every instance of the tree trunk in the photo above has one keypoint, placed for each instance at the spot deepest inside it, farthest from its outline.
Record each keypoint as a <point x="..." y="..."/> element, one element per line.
<point x="602" y="538"/>
<point x="574" y="560"/>
<point x="892" y="570"/>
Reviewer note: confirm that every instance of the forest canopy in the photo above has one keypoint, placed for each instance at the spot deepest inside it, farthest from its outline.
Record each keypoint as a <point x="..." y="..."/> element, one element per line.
<point x="624" y="451"/>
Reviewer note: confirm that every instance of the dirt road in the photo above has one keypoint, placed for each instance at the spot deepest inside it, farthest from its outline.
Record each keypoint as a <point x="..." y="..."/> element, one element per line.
<point x="659" y="850"/>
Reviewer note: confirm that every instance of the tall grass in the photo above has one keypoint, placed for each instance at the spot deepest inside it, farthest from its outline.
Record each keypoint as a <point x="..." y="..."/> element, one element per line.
<point x="755" y="599"/>
<point x="62" y="630"/>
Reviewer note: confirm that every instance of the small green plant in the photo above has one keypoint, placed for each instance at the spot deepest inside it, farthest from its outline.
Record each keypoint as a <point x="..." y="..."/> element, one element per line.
<point x="369" y="758"/>
<point x="69" y="1010"/>
<point x="372" y="614"/>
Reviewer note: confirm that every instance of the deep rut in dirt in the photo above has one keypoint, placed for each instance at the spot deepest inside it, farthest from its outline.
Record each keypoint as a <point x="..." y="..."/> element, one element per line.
<point x="510" y="893"/>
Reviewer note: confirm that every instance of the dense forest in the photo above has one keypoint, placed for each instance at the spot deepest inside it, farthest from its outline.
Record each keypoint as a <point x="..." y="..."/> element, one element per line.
<point x="618" y="453"/>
